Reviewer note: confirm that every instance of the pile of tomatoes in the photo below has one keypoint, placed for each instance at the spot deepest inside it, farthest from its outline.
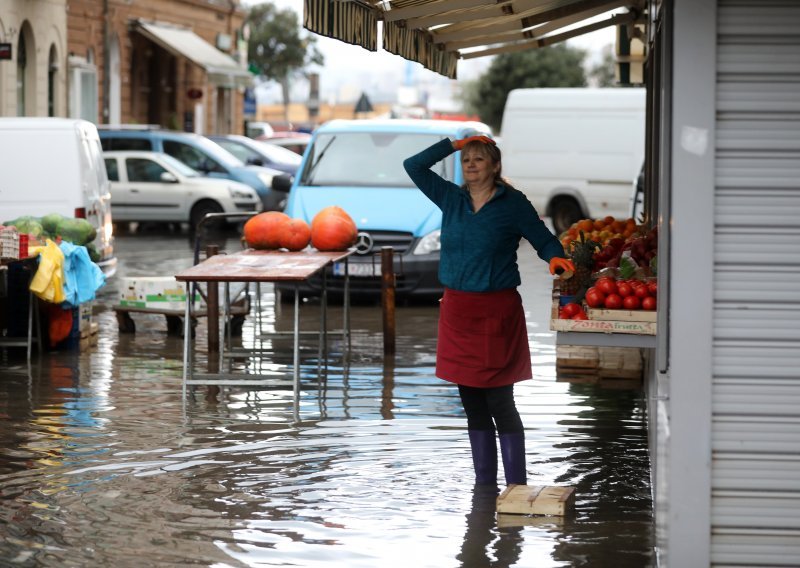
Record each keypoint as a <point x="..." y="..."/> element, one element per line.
<point x="614" y="294"/>
<point x="572" y="311"/>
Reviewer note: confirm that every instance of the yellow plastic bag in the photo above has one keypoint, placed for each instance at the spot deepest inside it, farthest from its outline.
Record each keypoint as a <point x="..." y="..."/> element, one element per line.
<point x="48" y="282"/>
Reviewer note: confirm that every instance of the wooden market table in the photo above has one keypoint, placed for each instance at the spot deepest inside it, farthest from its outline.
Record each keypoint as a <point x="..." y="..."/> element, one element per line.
<point x="260" y="266"/>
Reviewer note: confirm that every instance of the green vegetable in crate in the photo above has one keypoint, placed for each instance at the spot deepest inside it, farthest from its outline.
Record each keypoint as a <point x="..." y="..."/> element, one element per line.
<point x="76" y="231"/>
<point x="27" y="224"/>
<point x="582" y="255"/>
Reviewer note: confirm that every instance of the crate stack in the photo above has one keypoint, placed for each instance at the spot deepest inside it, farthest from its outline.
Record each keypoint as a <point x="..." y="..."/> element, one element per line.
<point x="605" y="365"/>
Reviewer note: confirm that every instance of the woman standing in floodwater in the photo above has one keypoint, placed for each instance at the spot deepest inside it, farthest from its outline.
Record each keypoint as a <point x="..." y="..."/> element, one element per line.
<point x="483" y="341"/>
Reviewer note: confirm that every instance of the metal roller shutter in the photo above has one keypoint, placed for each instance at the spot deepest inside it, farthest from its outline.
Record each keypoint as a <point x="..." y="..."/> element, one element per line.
<point x="756" y="358"/>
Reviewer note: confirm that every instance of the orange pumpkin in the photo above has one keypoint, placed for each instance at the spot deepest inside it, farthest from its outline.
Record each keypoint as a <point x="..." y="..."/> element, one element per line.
<point x="332" y="229"/>
<point x="295" y="235"/>
<point x="264" y="230"/>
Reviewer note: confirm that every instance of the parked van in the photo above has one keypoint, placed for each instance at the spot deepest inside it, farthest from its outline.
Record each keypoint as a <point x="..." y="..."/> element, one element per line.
<point x="574" y="152"/>
<point x="358" y="165"/>
<point x="55" y="165"/>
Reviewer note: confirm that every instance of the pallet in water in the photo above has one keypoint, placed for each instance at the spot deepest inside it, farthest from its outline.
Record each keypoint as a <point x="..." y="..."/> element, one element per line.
<point x="536" y="500"/>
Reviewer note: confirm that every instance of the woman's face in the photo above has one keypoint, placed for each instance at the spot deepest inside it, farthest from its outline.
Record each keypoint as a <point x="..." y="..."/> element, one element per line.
<point x="478" y="167"/>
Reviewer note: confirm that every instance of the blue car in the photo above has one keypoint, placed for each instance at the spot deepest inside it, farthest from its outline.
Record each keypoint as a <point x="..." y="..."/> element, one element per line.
<point x="202" y="155"/>
<point x="358" y="165"/>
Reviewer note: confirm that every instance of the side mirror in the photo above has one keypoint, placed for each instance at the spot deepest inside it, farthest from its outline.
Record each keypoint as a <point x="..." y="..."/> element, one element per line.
<point x="282" y="182"/>
<point x="168" y="177"/>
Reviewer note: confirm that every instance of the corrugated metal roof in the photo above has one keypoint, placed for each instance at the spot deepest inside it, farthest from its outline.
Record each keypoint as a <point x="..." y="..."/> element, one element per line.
<point x="436" y="33"/>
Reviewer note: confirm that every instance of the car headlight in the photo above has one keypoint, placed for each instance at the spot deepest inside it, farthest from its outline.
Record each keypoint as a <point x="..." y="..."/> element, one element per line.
<point x="266" y="179"/>
<point x="237" y="193"/>
<point x="429" y="243"/>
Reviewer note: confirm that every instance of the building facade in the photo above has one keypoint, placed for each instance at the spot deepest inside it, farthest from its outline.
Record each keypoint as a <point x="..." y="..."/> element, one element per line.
<point x="180" y="64"/>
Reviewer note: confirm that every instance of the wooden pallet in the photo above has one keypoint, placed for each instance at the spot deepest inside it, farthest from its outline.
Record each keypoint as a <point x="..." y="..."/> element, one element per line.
<point x="536" y="500"/>
<point x="580" y="364"/>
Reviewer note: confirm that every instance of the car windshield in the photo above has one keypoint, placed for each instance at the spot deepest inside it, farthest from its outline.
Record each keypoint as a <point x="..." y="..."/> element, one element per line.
<point x="372" y="159"/>
<point x="179" y="166"/>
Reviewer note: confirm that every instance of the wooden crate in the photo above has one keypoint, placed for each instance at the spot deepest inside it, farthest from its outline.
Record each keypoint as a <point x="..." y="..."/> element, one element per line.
<point x="620" y="363"/>
<point x="577" y="364"/>
<point x="621" y="315"/>
<point x="599" y="325"/>
<point x="536" y="500"/>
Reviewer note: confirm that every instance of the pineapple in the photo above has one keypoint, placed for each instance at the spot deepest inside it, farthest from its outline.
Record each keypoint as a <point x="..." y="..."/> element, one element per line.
<point x="582" y="255"/>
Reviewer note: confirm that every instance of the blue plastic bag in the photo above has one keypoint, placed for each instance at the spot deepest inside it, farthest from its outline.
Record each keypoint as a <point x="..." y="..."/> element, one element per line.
<point x="82" y="277"/>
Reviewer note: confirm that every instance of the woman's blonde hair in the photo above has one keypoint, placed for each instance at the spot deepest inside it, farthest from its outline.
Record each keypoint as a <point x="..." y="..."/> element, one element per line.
<point x="492" y="152"/>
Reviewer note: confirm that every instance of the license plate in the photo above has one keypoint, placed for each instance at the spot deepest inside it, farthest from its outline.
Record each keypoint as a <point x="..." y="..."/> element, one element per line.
<point x="357" y="270"/>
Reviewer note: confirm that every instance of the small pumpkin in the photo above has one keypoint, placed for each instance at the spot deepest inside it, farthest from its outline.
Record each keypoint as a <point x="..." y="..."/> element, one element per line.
<point x="264" y="230"/>
<point x="332" y="229"/>
<point x="296" y="235"/>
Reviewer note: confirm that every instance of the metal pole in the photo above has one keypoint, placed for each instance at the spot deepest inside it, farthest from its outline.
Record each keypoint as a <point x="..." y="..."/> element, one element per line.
<point x="387" y="299"/>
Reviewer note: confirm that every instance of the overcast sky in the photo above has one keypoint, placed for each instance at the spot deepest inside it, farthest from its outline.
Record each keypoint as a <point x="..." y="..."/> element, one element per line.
<point x="349" y="67"/>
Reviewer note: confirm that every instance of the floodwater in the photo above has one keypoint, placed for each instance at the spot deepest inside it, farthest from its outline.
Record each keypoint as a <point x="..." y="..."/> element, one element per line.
<point x="103" y="464"/>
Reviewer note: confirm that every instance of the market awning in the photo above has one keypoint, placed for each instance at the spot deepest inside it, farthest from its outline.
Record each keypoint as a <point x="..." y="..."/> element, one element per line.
<point x="182" y="42"/>
<point x="436" y="33"/>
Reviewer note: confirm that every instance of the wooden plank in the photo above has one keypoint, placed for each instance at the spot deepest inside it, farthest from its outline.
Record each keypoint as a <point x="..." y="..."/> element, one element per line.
<point x="621" y="315"/>
<point x="536" y="500"/>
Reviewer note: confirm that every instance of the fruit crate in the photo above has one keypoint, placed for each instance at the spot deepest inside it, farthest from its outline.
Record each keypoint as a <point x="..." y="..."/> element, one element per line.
<point x="9" y="244"/>
<point x="637" y="322"/>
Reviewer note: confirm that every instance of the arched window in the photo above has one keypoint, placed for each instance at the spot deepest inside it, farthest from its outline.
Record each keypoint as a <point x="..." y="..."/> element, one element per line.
<point x="52" y="71"/>
<point x="22" y="62"/>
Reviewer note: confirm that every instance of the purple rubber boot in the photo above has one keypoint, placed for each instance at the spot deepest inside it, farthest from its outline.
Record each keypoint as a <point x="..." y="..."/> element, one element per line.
<point x="484" y="456"/>
<point x="512" y="448"/>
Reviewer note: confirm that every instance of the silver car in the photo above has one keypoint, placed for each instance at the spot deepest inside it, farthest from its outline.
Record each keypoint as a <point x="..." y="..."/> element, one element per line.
<point x="151" y="186"/>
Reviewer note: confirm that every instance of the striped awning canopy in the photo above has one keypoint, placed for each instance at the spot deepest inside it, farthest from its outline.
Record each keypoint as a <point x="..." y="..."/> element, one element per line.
<point x="436" y="33"/>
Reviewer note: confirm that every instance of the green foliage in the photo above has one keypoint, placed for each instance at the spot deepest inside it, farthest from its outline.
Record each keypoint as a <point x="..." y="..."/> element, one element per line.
<point x="555" y="66"/>
<point x="276" y="48"/>
<point x="603" y="74"/>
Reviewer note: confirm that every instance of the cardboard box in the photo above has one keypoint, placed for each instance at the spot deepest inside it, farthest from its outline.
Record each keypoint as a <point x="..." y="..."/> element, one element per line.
<point x="154" y="292"/>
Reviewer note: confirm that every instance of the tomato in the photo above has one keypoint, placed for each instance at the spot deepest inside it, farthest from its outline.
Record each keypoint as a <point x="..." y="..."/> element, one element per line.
<point x="641" y="291"/>
<point x="571" y="309"/>
<point x="606" y="285"/>
<point x="624" y="289"/>
<point x="580" y="316"/>
<point x="632" y="303"/>
<point x="613" y="301"/>
<point x="652" y="287"/>
<point x="595" y="298"/>
<point x="649" y="303"/>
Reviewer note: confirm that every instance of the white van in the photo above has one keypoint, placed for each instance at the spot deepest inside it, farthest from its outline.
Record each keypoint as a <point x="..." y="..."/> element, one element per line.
<point x="574" y="152"/>
<point x="55" y="165"/>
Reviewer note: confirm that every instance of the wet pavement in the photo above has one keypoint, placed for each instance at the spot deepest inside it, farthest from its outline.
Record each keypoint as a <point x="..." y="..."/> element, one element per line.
<point x="102" y="463"/>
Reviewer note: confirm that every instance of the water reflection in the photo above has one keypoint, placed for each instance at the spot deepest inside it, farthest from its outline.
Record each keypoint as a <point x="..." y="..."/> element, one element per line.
<point x="101" y="464"/>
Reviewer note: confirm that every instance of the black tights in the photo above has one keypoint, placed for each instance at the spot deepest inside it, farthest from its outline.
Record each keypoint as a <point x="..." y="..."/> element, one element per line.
<point x="487" y="407"/>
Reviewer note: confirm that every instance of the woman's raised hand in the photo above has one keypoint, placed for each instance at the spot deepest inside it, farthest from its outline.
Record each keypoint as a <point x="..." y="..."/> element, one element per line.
<point x="458" y="144"/>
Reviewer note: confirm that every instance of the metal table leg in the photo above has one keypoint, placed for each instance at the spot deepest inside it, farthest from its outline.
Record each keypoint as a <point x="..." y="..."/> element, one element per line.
<point x="296" y="370"/>
<point x="187" y="337"/>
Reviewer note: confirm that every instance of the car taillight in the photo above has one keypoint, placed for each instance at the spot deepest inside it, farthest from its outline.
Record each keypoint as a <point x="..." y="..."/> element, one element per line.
<point x="80" y="212"/>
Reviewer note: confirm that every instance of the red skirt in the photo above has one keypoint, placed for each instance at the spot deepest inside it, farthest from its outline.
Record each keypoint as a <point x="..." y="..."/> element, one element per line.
<point x="483" y="340"/>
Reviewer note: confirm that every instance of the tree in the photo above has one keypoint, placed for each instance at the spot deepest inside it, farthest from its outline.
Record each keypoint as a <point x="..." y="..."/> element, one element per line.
<point x="277" y="49"/>
<point x="603" y="74"/>
<point x="556" y="66"/>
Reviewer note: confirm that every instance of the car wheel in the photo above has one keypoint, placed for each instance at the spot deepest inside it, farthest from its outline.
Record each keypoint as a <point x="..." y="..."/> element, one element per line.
<point x="565" y="211"/>
<point x="200" y="210"/>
